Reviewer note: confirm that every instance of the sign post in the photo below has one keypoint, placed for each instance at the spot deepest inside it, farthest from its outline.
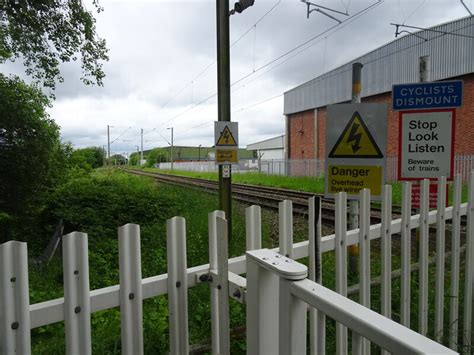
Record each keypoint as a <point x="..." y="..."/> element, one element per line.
<point x="427" y="122"/>
<point x="356" y="142"/>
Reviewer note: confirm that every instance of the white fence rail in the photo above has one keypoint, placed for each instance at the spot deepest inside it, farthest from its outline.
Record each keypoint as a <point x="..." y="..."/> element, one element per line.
<point x="283" y="315"/>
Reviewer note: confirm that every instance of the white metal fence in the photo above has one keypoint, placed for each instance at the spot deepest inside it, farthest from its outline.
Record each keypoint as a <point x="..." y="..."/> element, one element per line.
<point x="276" y="320"/>
<point x="210" y="166"/>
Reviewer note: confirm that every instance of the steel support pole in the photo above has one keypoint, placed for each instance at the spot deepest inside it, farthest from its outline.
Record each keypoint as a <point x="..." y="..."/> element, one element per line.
<point x="171" y="151"/>
<point x="223" y="101"/>
<point x="108" y="145"/>
<point x="141" y="146"/>
<point x="354" y="204"/>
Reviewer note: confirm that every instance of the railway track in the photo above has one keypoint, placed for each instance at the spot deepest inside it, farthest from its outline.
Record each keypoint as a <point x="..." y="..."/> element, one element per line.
<point x="259" y="195"/>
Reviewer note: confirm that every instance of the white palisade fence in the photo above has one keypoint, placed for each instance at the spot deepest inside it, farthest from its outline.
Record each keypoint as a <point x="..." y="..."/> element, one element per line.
<point x="277" y="290"/>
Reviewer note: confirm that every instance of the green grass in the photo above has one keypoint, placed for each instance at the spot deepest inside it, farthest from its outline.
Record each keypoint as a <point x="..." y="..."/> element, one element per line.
<point x="297" y="183"/>
<point x="98" y="205"/>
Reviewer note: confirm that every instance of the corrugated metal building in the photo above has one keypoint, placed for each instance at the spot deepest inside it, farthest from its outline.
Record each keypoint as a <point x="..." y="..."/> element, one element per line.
<point x="272" y="148"/>
<point x="450" y="48"/>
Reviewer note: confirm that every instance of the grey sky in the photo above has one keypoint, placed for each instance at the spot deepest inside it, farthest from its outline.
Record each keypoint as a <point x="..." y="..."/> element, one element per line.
<point x="158" y="47"/>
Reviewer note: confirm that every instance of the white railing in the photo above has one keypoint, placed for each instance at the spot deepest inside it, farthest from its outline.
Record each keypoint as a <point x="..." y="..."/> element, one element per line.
<point x="17" y="317"/>
<point x="278" y="326"/>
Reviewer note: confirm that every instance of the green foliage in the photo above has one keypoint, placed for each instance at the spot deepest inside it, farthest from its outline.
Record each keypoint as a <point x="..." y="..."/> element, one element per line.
<point x="87" y="158"/>
<point x="31" y="154"/>
<point x="46" y="33"/>
<point x="134" y="159"/>
<point x="118" y="159"/>
<point x="156" y="155"/>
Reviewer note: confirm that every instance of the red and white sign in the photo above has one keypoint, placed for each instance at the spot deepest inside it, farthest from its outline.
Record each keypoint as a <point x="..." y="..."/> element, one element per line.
<point x="433" y="192"/>
<point x="426" y="144"/>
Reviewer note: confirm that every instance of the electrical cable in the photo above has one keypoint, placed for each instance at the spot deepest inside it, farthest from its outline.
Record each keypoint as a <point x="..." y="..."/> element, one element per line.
<point x="120" y="135"/>
<point x="215" y="61"/>
<point x="356" y="15"/>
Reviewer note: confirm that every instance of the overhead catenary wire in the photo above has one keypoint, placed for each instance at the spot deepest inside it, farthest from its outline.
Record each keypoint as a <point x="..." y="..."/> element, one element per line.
<point x="120" y="135"/>
<point x="356" y="15"/>
<point x="397" y="25"/>
<point x="191" y="82"/>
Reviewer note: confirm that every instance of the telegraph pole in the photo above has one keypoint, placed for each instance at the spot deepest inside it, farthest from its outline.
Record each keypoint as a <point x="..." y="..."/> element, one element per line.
<point x="141" y="154"/>
<point x="354" y="204"/>
<point x="223" y="102"/>
<point x="108" y="145"/>
<point x="171" y="151"/>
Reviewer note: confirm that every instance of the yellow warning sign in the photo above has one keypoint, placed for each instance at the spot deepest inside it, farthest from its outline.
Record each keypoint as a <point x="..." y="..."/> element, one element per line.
<point x="352" y="179"/>
<point x="226" y="138"/>
<point x="355" y="141"/>
<point x="226" y="156"/>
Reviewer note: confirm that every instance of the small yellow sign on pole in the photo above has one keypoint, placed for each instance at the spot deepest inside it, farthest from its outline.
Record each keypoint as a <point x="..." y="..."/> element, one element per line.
<point x="226" y="156"/>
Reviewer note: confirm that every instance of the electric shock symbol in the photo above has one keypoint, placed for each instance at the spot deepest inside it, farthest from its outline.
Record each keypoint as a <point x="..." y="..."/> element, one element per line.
<point x="356" y="141"/>
<point x="354" y="137"/>
<point x="226" y="138"/>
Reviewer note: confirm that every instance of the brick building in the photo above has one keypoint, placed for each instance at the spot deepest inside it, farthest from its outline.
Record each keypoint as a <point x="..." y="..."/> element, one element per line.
<point x="450" y="51"/>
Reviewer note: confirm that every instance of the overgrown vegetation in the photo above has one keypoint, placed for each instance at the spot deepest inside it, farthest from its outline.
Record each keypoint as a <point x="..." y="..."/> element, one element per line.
<point x="99" y="203"/>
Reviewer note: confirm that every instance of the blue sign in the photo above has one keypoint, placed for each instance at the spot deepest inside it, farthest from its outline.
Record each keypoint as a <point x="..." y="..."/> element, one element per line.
<point x="442" y="94"/>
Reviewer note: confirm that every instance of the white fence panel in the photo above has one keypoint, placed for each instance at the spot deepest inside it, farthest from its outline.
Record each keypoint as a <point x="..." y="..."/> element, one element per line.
<point x="440" y="259"/>
<point x="317" y="318"/>
<point x="14" y="299"/>
<point x="131" y="311"/>
<point x="424" y="244"/>
<point x="285" y="212"/>
<point x="455" y="245"/>
<point x="77" y="307"/>
<point x="341" y="264"/>
<point x="405" y="255"/>
<point x="177" y="285"/>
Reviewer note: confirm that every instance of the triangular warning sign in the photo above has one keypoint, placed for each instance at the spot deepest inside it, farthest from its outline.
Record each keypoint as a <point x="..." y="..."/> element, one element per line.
<point x="226" y="138"/>
<point x="356" y="141"/>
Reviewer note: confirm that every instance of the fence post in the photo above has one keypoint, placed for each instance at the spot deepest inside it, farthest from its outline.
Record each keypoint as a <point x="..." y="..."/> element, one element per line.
<point x="177" y="285"/>
<point x="292" y="321"/>
<point x="455" y="245"/>
<point x="285" y="214"/>
<point x="440" y="256"/>
<point x="317" y="318"/>
<point x="131" y="311"/>
<point x="269" y="324"/>
<point x="341" y="264"/>
<point x="76" y="294"/>
<point x="424" y="240"/>
<point x="213" y="266"/>
<point x="406" y="255"/>
<point x="469" y="280"/>
<point x="386" y="244"/>
<point x="14" y="299"/>
<point x="364" y="258"/>
<point x="253" y="227"/>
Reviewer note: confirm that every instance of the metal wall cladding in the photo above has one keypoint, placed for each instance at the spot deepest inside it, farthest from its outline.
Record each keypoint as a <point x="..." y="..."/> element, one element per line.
<point x="394" y="63"/>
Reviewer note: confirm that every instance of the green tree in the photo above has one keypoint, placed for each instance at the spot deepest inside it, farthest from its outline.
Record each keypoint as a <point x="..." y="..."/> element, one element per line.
<point x="46" y="33"/>
<point x="156" y="155"/>
<point x="118" y="159"/>
<point x="87" y="158"/>
<point x="32" y="158"/>
<point x="135" y="159"/>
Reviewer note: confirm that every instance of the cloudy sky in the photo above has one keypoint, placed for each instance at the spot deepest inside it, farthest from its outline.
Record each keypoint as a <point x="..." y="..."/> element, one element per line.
<point x="162" y="68"/>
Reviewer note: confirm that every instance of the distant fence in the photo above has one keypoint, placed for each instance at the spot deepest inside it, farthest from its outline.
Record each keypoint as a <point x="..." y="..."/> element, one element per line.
<point x="463" y="164"/>
<point x="211" y="166"/>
